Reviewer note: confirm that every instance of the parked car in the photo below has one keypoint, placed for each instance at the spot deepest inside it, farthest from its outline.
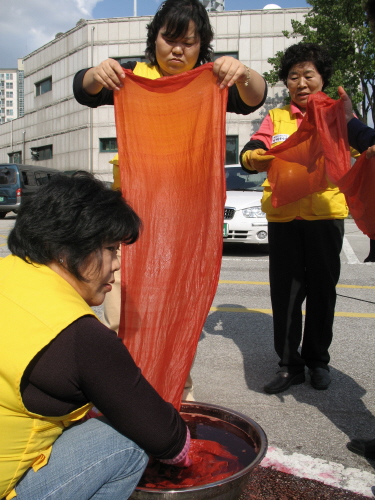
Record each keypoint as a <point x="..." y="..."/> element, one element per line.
<point x="18" y="181"/>
<point x="244" y="221"/>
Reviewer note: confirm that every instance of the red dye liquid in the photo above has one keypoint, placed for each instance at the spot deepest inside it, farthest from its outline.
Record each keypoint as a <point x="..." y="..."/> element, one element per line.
<point x="218" y="450"/>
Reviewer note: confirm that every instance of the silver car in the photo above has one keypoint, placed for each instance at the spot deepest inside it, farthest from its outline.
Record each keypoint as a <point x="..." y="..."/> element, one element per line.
<point x="244" y="221"/>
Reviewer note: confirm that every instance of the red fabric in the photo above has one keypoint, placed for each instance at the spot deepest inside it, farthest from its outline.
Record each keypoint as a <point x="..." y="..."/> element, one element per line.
<point x="358" y="184"/>
<point x="171" y="140"/>
<point x="320" y="150"/>
<point x="210" y="462"/>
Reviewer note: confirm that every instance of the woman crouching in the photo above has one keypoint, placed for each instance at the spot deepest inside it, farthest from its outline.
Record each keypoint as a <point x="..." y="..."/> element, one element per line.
<point x="57" y="360"/>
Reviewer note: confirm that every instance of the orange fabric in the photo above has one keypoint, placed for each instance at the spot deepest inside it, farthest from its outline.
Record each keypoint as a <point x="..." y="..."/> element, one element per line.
<point x="318" y="151"/>
<point x="171" y="139"/>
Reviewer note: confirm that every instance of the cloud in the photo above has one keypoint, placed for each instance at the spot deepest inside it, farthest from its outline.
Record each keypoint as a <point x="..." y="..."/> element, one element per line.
<point x="27" y="25"/>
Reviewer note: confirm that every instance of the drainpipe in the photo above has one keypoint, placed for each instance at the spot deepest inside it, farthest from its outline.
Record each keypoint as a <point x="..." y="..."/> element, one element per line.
<point x="91" y="138"/>
<point x="23" y="146"/>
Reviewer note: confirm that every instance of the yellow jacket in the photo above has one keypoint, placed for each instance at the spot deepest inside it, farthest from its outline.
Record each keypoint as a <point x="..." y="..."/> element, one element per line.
<point x="327" y="204"/>
<point x="36" y="305"/>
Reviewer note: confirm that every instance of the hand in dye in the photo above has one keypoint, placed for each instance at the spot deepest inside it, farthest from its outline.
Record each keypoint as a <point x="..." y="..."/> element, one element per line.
<point x="186" y="462"/>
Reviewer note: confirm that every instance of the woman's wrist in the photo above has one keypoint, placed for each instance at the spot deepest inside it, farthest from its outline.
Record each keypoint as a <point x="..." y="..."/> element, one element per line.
<point x="247" y="77"/>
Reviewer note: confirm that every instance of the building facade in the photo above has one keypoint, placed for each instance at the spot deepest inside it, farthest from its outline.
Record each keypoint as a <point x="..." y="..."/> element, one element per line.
<point x="56" y="131"/>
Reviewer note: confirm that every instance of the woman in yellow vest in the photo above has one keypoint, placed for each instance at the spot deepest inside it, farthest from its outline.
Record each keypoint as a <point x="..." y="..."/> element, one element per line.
<point x="305" y="237"/>
<point x="57" y="360"/>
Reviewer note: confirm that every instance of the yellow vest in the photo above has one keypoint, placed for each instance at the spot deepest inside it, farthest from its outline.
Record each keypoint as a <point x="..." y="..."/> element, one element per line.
<point x="147" y="71"/>
<point x="36" y="305"/>
<point x="327" y="204"/>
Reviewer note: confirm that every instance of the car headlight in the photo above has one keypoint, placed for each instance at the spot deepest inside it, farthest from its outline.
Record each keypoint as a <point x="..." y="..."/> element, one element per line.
<point x="253" y="212"/>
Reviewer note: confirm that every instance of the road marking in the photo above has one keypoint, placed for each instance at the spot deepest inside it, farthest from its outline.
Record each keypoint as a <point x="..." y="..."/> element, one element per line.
<point x="349" y="252"/>
<point x="267" y="283"/>
<point x="330" y="473"/>
<point x="269" y="311"/>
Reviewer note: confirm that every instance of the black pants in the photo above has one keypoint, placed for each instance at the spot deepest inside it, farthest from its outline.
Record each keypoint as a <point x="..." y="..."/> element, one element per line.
<point x="304" y="261"/>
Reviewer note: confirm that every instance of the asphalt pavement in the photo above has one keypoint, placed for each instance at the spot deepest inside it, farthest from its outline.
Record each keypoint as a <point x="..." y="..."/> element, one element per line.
<point x="307" y="430"/>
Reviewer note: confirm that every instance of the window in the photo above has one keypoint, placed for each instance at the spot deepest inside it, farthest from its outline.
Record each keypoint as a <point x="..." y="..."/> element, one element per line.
<point x="231" y="157"/>
<point x="123" y="60"/>
<point x="9" y="95"/>
<point x="9" y="76"/>
<point x="28" y="178"/>
<point x="41" y="178"/>
<point x="9" y="85"/>
<point x="9" y="104"/>
<point x="216" y="55"/>
<point x="43" y="86"/>
<point x="15" y="157"/>
<point x="42" y="153"/>
<point x="108" y="145"/>
<point x="9" y="112"/>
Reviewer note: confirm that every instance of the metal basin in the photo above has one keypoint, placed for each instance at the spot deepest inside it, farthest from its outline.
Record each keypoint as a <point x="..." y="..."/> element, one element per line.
<point x="231" y="487"/>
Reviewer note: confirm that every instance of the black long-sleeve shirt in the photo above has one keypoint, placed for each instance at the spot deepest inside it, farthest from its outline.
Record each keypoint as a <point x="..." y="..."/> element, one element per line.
<point x="87" y="362"/>
<point x="105" y="96"/>
<point x="360" y="135"/>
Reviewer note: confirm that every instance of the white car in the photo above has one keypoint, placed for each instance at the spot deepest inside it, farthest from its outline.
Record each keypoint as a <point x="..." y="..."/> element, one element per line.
<point x="244" y="221"/>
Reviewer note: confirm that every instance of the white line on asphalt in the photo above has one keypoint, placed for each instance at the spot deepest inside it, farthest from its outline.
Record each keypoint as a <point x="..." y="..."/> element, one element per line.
<point x="330" y="473"/>
<point x="349" y="252"/>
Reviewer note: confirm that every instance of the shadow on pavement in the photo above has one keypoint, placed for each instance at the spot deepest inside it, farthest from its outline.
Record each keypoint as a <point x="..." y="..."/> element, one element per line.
<point x="253" y="334"/>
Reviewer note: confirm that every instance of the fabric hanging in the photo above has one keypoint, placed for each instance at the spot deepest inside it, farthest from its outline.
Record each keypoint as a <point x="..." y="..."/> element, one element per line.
<point x="318" y="151"/>
<point x="171" y="142"/>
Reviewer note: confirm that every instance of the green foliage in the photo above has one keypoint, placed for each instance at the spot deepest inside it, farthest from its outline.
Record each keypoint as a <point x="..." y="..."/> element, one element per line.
<point x="340" y="25"/>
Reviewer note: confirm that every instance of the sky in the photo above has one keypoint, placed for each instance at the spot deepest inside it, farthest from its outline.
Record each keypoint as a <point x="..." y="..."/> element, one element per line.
<point x="26" y="25"/>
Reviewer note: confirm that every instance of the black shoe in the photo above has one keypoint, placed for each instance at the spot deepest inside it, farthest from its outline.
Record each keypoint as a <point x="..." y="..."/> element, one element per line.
<point x="283" y="380"/>
<point x="363" y="447"/>
<point x="320" y="378"/>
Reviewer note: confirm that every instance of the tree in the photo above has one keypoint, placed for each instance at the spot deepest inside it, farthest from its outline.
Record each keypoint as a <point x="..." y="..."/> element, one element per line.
<point x="340" y="25"/>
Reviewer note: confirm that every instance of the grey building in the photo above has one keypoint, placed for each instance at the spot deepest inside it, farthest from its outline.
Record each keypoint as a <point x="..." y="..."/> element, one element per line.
<point x="56" y="131"/>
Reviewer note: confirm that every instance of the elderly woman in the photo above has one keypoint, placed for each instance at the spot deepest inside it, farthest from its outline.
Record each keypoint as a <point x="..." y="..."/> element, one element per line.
<point x="57" y="360"/>
<point x="305" y="237"/>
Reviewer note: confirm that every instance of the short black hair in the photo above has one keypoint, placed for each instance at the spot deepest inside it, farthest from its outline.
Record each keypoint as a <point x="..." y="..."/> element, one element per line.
<point x="69" y="218"/>
<point x="306" y="52"/>
<point x="370" y="13"/>
<point x="174" y="16"/>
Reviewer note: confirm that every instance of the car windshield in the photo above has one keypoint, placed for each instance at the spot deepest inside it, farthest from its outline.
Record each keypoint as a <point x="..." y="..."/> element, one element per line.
<point x="7" y="175"/>
<point x="238" y="180"/>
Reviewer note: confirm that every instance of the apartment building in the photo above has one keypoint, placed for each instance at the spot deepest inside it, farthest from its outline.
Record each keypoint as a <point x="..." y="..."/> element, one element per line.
<point x="56" y="131"/>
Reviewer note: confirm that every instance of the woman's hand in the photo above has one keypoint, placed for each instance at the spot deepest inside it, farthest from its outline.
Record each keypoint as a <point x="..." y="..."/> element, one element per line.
<point x="370" y="152"/>
<point x="108" y="74"/>
<point x="257" y="160"/>
<point x="348" y="108"/>
<point x="229" y="71"/>
<point x="250" y="84"/>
